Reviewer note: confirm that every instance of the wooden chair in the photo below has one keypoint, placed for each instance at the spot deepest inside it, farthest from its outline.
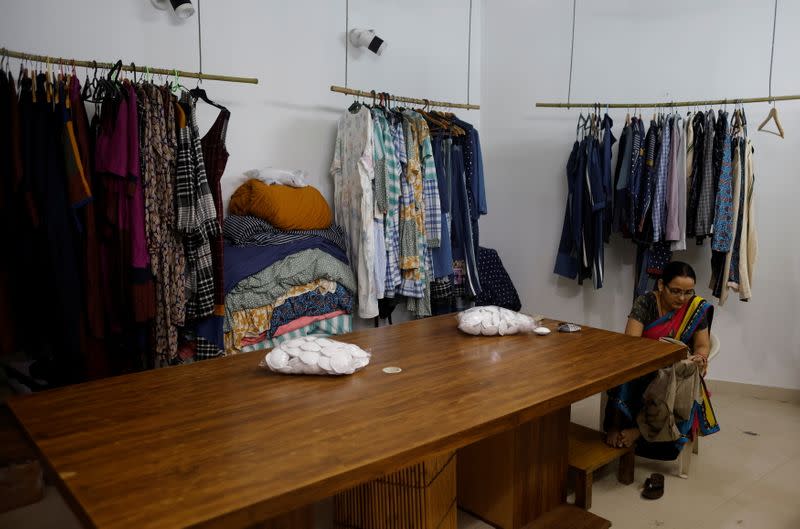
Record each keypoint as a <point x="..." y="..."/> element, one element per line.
<point x="685" y="457"/>
<point x="588" y="451"/>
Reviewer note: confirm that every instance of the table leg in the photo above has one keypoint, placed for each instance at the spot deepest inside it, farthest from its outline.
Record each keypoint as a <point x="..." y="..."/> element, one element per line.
<point x="514" y="477"/>
<point x="422" y="496"/>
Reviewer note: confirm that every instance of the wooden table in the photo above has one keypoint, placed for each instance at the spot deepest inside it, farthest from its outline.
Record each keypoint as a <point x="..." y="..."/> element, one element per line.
<point x="223" y="443"/>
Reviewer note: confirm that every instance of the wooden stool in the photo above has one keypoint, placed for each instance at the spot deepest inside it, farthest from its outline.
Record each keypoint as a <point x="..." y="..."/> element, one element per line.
<point x="588" y="451"/>
<point x="569" y="517"/>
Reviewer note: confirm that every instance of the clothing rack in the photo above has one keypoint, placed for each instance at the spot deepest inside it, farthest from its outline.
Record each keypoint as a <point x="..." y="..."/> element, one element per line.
<point x="130" y="68"/>
<point x="414" y="100"/>
<point x="701" y="103"/>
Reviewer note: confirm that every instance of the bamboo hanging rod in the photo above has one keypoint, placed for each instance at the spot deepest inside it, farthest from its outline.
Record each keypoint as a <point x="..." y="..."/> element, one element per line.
<point x="417" y="101"/>
<point x="716" y="102"/>
<point x="140" y="69"/>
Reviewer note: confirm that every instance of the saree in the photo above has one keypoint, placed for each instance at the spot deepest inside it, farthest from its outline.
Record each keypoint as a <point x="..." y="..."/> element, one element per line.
<point x="626" y="401"/>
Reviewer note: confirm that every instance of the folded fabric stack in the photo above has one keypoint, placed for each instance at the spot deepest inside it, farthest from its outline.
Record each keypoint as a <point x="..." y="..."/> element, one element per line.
<point x="286" y="268"/>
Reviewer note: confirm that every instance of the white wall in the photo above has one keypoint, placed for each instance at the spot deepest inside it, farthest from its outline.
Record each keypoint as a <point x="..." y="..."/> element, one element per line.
<point x="635" y="51"/>
<point x="296" y="49"/>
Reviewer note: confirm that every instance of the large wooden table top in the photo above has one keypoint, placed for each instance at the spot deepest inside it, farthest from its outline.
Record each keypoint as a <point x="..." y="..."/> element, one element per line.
<point x="224" y="443"/>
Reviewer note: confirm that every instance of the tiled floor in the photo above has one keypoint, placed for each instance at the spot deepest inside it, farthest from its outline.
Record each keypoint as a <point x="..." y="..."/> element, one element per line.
<point x="746" y="477"/>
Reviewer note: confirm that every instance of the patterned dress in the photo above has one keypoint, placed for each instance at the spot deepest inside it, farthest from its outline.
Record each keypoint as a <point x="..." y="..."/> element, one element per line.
<point x="165" y="246"/>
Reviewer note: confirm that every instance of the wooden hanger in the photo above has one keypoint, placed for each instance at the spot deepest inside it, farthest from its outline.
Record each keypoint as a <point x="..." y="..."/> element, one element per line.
<point x="772" y="116"/>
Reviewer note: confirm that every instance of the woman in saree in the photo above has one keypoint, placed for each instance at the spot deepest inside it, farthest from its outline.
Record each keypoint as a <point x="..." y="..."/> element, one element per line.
<point x="672" y="311"/>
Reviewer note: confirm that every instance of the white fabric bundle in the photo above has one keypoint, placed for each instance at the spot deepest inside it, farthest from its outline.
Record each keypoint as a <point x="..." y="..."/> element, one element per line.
<point x="491" y="320"/>
<point x="271" y="175"/>
<point x="314" y="355"/>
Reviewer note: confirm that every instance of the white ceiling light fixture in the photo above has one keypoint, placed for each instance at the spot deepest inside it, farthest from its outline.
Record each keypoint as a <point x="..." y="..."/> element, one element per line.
<point x="366" y="38"/>
<point x="182" y="8"/>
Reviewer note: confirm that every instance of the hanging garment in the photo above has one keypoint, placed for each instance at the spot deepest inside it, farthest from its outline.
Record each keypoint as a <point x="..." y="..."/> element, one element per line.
<point x="474" y="180"/>
<point x="197" y="216"/>
<point x="353" y="171"/>
<point x="748" y="249"/>
<point x="675" y="229"/>
<point x="462" y="238"/>
<point x="638" y="163"/>
<point x="737" y="173"/>
<point x="745" y="246"/>
<point x="622" y="180"/>
<point x="443" y="254"/>
<point x="733" y="277"/>
<point x="422" y="178"/>
<point x="647" y="185"/>
<point x="215" y="158"/>
<point x="571" y="248"/>
<point x="392" y="175"/>
<point x="594" y="224"/>
<point x="412" y="217"/>
<point x="705" y="203"/>
<point x="168" y="260"/>
<point x="695" y="182"/>
<point x="659" y="201"/>
<point x="52" y="265"/>
<point x="608" y="183"/>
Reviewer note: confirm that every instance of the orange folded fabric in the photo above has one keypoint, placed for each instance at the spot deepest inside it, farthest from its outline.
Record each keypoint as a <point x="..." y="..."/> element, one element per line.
<point x="285" y="207"/>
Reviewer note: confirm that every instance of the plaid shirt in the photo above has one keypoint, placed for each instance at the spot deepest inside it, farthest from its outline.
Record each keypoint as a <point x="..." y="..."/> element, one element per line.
<point x="705" y="203"/>
<point x="384" y="133"/>
<point x="430" y="188"/>
<point x="660" y="194"/>
<point x="197" y="216"/>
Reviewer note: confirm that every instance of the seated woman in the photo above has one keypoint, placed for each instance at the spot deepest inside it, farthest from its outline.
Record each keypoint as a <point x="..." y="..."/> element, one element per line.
<point x="671" y="311"/>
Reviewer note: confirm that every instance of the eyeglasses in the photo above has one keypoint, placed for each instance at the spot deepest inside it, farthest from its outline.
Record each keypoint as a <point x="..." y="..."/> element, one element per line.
<point x="678" y="292"/>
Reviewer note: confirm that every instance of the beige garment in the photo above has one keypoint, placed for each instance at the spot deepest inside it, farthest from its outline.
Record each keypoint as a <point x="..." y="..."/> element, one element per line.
<point x="669" y="399"/>
<point x="748" y="246"/>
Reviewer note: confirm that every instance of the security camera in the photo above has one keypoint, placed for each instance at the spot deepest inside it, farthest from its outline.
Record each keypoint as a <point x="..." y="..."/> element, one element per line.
<point x="182" y="8"/>
<point x="366" y="38"/>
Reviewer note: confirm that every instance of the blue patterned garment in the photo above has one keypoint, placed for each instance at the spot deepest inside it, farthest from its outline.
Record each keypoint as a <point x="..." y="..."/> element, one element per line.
<point x="311" y="303"/>
<point x="498" y="289"/>
<point x="723" y="219"/>
<point x="637" y="162"/>
<point x="647" y="182"/>
<point x="660" y="193"/>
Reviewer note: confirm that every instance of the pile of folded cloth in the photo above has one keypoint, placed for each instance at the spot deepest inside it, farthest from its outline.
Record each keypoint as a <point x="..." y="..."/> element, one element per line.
<point x="286" y="271"/>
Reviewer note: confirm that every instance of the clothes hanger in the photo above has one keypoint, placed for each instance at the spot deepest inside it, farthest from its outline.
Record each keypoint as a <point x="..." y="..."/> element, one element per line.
<point x="581" y="122"/>
<point x="87" y="85"/>
<point x="200" y="93"/>
<point x="772" y="116"/>
<point x="175" y="84"/>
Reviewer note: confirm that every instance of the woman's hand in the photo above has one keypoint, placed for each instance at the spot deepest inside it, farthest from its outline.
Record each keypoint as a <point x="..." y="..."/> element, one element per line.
<point x="701" y="361"/>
